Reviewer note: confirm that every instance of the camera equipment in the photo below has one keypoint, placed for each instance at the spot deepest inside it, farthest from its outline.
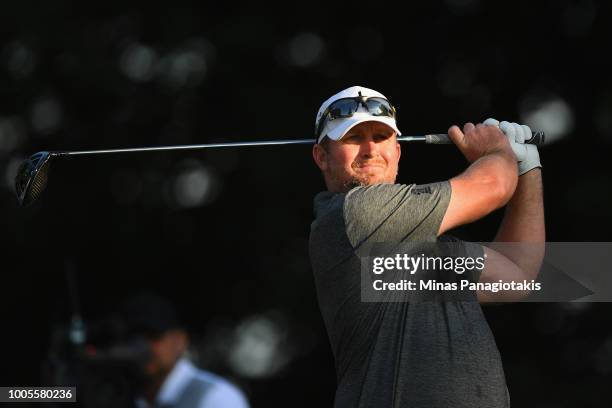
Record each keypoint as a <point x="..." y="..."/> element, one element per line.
<point x="102" y="358"/>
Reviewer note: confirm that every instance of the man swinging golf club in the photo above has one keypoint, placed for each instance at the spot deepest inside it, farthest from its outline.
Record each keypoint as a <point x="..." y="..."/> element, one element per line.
<point x="424" y="354"/>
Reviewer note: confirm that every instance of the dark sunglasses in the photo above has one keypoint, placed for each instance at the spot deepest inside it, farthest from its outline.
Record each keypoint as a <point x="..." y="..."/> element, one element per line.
<point x="346" y="107"/>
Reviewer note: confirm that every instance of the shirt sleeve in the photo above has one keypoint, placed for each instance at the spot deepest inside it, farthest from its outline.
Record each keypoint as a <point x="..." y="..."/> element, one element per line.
<point x="456" y="248"/>
<point x="395" y="213"/>
<point x="224" y="395"/>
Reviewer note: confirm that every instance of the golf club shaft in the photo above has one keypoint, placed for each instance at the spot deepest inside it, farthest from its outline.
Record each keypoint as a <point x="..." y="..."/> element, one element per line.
<point x="438" y="138"/>
<point x="213" y="145"/>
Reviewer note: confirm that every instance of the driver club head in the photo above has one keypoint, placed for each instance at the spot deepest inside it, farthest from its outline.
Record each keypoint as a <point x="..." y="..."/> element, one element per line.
<point x="31" y="177"/>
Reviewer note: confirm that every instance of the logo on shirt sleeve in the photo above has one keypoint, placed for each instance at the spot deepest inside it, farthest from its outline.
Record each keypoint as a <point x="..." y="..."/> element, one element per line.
<point x="421" y="190"/>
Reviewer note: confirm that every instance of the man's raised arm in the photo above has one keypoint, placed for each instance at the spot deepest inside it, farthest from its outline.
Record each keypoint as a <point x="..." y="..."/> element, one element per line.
<point x="490" y="180"/>
<point x="523" y="222"/>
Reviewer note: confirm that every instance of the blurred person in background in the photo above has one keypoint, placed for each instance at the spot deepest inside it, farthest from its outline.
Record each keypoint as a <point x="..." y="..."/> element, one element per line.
<point x="168" y="379"/>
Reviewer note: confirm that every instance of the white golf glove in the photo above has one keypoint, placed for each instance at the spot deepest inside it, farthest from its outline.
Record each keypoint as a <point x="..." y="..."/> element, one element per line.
<point x="526" y="154"/>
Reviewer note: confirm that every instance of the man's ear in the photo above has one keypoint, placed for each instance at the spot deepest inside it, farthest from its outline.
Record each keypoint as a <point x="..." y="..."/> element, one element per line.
<point x="319" y="154"/>
<point x="399" y="150"/>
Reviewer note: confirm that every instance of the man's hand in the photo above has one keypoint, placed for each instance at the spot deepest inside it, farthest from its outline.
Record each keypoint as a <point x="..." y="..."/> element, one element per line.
<point x="527" y="155"/>
<point x="478" y="141"/>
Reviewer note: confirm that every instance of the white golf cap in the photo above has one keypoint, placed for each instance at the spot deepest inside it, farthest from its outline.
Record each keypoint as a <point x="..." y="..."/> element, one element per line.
<point x="337" y="128"/>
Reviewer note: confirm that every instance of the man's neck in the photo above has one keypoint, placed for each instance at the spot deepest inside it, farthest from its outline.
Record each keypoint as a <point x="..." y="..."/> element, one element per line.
<point x="152" y="387"/>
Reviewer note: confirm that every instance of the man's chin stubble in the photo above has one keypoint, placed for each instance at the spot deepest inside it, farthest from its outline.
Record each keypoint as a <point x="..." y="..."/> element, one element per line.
<point x="357" y="181"/>
<point x="346" y="184"/>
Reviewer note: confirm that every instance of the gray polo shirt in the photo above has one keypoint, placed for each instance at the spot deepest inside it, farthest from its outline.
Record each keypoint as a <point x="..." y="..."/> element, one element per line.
<point x="397" y="354"/>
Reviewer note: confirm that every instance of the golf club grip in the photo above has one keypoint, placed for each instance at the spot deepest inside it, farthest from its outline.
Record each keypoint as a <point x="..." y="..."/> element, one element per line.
<point x="537" y="138"/>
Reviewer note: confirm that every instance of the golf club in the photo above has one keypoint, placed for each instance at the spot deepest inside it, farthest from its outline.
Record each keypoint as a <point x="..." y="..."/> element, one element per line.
<point x="33" y="173"/>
